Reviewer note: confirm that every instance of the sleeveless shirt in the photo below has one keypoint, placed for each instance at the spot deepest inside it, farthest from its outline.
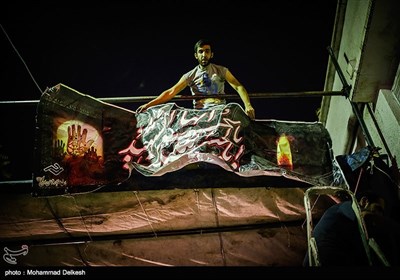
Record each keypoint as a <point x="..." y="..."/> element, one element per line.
<point x="208" y="82"/>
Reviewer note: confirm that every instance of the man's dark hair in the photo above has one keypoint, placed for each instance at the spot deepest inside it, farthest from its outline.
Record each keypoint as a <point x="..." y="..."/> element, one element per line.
<point x="373" y="197"/>
<point x="201" y="43"/>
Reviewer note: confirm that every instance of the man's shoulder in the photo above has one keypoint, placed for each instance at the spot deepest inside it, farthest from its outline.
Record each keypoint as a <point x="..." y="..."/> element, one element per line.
<point x="219" y="69"/>
<point x="218" y="66"/>
<point x="340" y="208"/>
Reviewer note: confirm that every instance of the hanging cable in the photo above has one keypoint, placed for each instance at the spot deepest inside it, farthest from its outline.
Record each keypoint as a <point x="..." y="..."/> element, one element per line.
<point x="145" y="213"/>
<point x="23" y="61"/>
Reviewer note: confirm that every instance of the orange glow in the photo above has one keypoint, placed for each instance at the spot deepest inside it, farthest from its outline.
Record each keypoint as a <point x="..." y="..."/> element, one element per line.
<point x="283" y="153"/>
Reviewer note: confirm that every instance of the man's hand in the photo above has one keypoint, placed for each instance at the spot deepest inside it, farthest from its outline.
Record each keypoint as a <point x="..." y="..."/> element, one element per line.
<point x="141" y="109"/>
<point x="250" y="111"/>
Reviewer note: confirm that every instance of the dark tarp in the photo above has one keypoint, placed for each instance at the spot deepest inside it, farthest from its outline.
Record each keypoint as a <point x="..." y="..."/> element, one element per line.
<point x="83" y="144"/>
<point x="168" y="187"/>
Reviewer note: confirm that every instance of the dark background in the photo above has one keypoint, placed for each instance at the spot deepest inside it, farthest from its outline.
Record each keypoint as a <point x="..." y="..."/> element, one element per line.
<point x="140" y="48"/>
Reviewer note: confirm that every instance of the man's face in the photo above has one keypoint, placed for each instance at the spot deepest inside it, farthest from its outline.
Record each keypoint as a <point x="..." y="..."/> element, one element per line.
<point x="204" y="55"/>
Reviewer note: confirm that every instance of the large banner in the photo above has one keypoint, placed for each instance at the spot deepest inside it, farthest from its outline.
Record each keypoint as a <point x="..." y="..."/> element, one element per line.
<point x="83" y="144"/>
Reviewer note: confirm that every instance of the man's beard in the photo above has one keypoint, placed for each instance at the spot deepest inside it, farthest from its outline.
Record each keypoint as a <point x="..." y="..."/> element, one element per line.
<point x="205" y="63"/>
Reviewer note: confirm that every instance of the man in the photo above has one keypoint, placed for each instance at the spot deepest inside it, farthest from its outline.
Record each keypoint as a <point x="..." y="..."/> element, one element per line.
<point x="206" y="79"/>
<point x="338" y="237"/>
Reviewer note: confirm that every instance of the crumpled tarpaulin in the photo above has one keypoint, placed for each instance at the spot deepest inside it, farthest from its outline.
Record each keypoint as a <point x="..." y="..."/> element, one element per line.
<point x="83" y="144"/>
<point x="181" y="227"/>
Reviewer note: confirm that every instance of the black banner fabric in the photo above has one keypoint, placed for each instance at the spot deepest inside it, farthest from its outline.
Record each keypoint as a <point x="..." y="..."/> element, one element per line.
<point x="83" y="144"/>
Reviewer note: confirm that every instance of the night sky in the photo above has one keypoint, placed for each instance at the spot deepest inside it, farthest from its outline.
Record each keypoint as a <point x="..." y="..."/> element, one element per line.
<point x="140" y="48"/>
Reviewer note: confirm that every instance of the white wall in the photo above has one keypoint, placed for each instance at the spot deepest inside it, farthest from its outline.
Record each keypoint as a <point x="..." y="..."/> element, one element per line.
<point x="340" y="119"/>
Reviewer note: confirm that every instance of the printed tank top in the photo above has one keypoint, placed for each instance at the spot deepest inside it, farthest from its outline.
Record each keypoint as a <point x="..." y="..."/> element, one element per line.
<point x="209" y="82"/>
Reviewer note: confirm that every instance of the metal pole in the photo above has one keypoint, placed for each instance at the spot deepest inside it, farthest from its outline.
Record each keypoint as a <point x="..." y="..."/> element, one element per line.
<point x="195" y="231"/>
<point x="191" y="97"/>
<point x="346" y="89"/>
<point x="346" y="86"/>
<point x="379" y="132"/>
